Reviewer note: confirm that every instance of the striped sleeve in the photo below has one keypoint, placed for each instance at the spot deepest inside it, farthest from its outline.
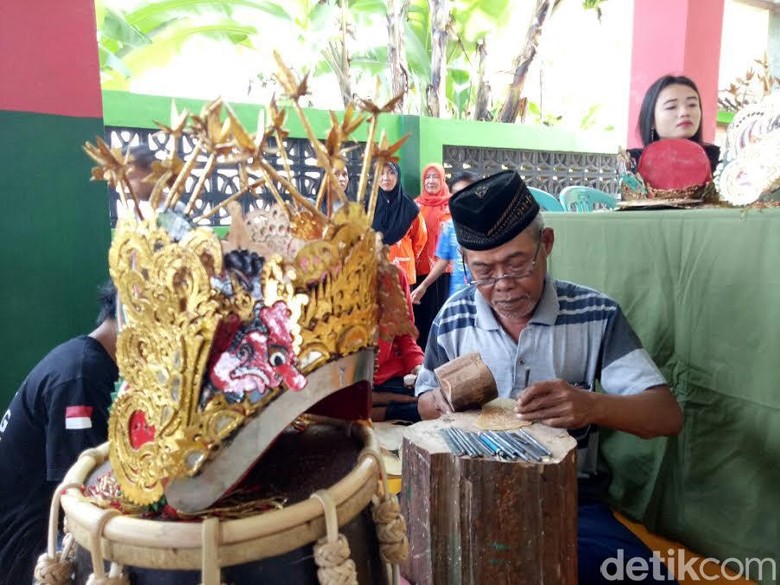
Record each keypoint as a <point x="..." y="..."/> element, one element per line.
<point x="626" y="367"/>
<point x="456" y="315"/>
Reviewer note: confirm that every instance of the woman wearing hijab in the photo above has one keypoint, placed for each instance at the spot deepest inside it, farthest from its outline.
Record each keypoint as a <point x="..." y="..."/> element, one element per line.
<point x="398" y="219"/>
<point x="435" y="212"/>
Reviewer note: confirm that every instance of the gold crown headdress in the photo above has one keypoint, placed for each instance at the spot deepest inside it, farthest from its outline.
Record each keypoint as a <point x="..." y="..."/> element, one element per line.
<point x="218" y="334"/>
<point x="749" y="172"/>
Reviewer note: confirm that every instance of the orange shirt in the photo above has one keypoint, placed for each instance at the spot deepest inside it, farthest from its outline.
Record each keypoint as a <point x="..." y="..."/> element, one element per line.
<point x="435" y="217"/>
<point x="405" y="252"/>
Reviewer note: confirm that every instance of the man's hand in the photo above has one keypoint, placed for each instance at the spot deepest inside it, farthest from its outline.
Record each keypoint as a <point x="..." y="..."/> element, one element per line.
<point x="557" y="404"/>
<point x="411" y="377"/>
<point x="432" y="405"/>
<point x="418" y="293"/>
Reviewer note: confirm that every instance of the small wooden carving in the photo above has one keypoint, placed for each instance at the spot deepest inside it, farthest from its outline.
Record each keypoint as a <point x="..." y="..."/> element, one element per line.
<point x="466" y="382"/>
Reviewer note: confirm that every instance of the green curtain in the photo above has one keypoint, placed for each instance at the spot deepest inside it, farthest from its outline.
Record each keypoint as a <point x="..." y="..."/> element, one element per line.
<point x="702" y="290"/>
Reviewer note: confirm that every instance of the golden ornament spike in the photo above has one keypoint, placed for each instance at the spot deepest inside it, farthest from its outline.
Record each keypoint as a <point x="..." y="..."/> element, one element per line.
<point x="386" y="152"/>
<point x="162" y="175"/>
<point x="321" y="194"/>
<point x="279" y="200"/>
<point x="335" y="186"/>
<point x="196" y="192"/>
<point x="136" y="202"/>
<point x="111" y="165"/>
<point x="293" y="90"/>
<point x="154" y="198"/>
<point x="298" y="199"/>
<point x="260" y="125"/>
<point x="373" y="109"/>
<point x="213" y="123"/>
<point x="366" y="159"/>
<point x="375" y="191"/>
<point x="348" y="125"/>
<point x="283" y="153"/>
<point x="172" y="153"/>
<point x="286" y="77"/>
<point x="175" y="114"/>
<point x="259" y="184"/>
<point x="222" y="204"/>
<point x="243" y="176"/>
<point x="178" y="122"/>
<point x="178" y="184"/>
<point x="240" y="135"/>
<point x="278" y="116"/>
<point x="95" y="152"/>
<point x="310" y="134"/>
<point x="122" y="198"/>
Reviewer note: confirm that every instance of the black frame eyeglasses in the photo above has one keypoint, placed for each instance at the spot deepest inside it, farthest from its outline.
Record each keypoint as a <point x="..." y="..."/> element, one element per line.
<point x="519" y="275"/>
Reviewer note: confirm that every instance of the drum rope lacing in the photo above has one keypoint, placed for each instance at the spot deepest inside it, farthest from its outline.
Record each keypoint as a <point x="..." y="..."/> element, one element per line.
<point x="98" y="576"/>
<point x="53" y="567"/>
<point x="331" y="552"/>
<point x="386" y="512"/>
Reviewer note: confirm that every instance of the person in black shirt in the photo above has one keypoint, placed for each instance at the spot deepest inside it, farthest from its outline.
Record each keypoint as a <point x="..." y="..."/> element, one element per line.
<point x="60" y="410"/>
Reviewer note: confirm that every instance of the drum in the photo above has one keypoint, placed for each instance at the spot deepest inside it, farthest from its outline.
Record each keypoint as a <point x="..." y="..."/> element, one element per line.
<point x="338" y="463"/>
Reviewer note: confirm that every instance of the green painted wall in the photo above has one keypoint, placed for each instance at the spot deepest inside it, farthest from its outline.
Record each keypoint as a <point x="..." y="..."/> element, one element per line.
<point x="428" y="136"/>
<point x="54" y="235"/>
<point x="141" y="111"/>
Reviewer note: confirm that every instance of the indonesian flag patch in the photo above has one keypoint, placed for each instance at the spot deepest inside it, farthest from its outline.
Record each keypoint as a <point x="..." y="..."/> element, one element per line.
<point x="78" y="417"/>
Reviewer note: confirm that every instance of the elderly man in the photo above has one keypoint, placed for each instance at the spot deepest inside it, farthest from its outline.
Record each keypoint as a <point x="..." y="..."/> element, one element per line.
<point x="546" y="343"/>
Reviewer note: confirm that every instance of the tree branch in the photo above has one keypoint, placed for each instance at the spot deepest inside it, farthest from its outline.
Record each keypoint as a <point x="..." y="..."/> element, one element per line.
<point x="396" y="11"/>
<point x="512" y="103"/>
<point x="435" y="92"/>
<point x="482" y="109"/>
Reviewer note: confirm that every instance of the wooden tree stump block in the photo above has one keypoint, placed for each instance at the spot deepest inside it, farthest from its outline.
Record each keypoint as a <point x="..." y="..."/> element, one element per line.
<point x="484" y="521"/>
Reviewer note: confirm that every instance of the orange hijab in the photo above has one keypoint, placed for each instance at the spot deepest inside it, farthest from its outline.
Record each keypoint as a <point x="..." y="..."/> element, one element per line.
<point x="434" y="209"/>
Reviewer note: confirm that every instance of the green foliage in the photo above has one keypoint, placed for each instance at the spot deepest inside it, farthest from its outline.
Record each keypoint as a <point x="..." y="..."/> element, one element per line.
<point x="153" y="32"/>
<point x="537" y="116"/>
<point x="459" y="91"/>
<point x="593" y="5"/>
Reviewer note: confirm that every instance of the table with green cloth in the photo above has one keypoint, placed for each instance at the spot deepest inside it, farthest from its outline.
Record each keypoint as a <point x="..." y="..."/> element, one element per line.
<point x="702" y="290"/>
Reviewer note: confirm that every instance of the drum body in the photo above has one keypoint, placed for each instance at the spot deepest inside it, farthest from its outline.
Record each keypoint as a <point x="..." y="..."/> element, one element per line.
<point x="273" y="547"/>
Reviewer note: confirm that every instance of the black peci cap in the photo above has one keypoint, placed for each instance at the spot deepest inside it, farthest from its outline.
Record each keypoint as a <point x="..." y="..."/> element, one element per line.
<point x="492" y="211"/>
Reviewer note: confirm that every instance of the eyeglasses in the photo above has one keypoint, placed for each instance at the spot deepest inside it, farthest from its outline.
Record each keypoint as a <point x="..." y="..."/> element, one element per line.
<point x="519" y="272"/>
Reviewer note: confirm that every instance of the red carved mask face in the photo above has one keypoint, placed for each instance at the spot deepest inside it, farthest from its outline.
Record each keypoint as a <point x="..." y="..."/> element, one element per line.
<point x="259" y="357"/>
<point x="141" y="432"/>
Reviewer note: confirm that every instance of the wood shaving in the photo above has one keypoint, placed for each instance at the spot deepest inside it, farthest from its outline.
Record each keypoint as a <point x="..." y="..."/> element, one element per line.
<point x="500" y="415"/>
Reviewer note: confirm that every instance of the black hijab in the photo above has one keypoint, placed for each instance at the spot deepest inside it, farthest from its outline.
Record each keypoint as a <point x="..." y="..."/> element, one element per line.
<point x="395" y="212"/>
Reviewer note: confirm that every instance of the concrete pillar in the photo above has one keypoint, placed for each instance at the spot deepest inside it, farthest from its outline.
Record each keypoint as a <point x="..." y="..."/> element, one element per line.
<point x="676" y="37"/>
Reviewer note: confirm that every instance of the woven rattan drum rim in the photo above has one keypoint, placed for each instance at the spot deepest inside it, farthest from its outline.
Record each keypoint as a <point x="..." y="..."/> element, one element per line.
<point x="177" y="545"/>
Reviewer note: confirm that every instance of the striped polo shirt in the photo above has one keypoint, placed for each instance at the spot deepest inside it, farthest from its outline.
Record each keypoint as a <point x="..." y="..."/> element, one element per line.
<point x="576" y="334"/>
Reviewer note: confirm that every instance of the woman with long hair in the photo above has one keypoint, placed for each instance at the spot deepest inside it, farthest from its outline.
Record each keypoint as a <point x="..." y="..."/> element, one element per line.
<point x="671" y="108"/>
